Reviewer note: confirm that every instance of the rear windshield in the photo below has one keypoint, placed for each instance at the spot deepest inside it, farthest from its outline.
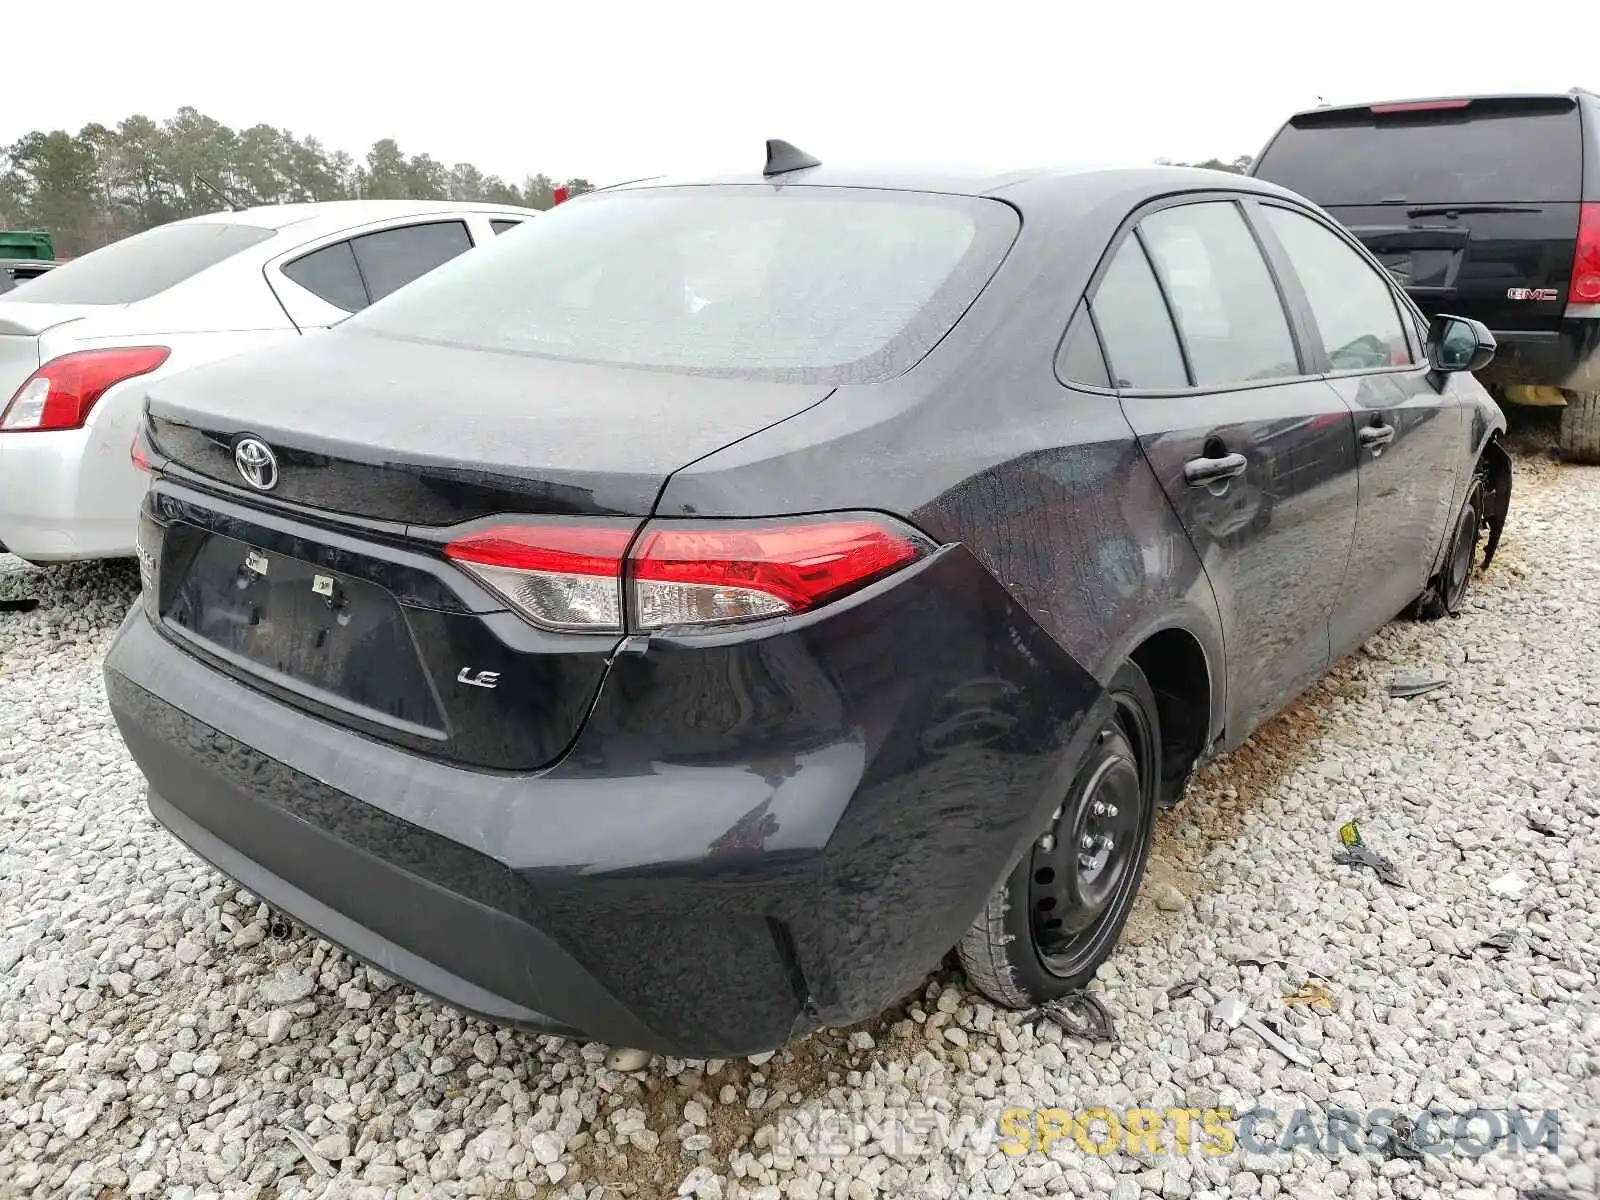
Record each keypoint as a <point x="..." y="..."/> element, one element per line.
<point x="1487" y="153"/>
<point x="802" y="284"/>
<point x="139" y="267"/>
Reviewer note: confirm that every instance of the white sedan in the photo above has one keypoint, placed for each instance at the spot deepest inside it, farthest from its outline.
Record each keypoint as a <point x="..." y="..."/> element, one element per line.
<point x="78" y="344"/>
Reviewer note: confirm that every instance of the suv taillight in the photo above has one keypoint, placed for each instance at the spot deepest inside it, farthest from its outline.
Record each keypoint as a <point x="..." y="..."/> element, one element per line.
<point x="600" y="578"/>
<point x="1586" y="266"/>
<point x="60" y="394"/>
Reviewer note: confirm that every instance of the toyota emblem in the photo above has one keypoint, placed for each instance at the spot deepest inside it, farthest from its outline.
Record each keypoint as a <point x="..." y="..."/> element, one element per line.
<point x="257" y="464"/>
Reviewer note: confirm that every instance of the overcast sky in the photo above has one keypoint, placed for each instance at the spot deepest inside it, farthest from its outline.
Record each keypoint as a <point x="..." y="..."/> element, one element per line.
<point x="618" y="89"/>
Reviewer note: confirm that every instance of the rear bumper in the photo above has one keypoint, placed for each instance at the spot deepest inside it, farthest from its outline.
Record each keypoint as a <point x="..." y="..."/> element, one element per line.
<point x="750" y="838"/>
<point x="54" y="509"/>
<point x="1565" y="358"/>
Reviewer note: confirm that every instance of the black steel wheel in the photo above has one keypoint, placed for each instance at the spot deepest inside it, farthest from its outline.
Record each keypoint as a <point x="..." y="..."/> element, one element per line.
<point x="1059" y="913"/>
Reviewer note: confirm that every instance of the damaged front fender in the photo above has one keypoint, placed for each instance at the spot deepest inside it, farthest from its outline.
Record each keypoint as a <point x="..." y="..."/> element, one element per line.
<point x="1495" y="464"/>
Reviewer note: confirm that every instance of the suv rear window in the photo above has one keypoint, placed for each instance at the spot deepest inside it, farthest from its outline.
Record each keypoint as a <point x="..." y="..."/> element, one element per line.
<point x="805" y="284"/>
<point x="1489" y="152"/>
<point x="140" y="266"/>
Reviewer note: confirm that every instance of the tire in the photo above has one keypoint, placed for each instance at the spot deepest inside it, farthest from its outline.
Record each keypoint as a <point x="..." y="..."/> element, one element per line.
<point x="1012" y="953"/>
<point x="1580" y="428"/>
<point x="1448" y="589"/>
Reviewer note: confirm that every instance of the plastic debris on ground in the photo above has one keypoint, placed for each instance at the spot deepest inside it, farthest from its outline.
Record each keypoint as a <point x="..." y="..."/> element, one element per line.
<point x="1404" y="684"/>
<point x="1079" y="1015"/>
<point x="1403" y="1143"/>
<point x="302" y="1143"/>
<point x="1311" y="994"/>
<point x="1231" y="1012"/>
<point x="1356" y="853"/>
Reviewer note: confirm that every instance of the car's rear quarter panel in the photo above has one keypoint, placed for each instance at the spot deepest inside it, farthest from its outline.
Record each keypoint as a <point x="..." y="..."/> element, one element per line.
<point x="981" y="444"/>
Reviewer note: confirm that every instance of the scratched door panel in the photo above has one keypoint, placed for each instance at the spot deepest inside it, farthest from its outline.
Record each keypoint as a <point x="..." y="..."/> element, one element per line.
<point x="1274" y="540"/>
<point x="1407" y="488"/>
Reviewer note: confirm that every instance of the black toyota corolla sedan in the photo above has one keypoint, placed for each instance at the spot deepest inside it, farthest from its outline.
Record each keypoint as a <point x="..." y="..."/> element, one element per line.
<point x="687" y="621"/>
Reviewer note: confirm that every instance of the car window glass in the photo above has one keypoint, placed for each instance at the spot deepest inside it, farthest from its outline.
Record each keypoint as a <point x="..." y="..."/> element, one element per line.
<point x="1515" y="150"/>
<point x="140" y="266"/>
<point x="1353" y="305"/>
<point x="330" y="273"/>
<point x="1226" y="303"/>
<point x="1140" y="343"/>
<point x="500" y="227"/>
<point x="797" y="284"/>
<point x="1080" y="360"/>
<point x="392" y="258"/>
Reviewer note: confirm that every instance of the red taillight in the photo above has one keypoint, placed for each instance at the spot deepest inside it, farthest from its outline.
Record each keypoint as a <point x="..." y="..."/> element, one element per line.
<point x="693" y="574"/>
<point x="572" y="576"/>
<point x="60" y="394"/>
<point x="1586" y="264"/>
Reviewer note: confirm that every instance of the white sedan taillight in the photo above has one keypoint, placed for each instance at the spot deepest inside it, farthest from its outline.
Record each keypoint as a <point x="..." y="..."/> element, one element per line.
<point x="682" y="573"/>
<point x="60" y="394"/>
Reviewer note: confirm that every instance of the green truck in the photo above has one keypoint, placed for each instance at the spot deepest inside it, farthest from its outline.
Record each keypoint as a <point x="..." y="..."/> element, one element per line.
<point x="24" y="254"/>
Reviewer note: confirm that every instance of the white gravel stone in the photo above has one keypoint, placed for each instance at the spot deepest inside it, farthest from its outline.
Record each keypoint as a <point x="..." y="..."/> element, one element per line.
<point x="546" y="1148"/>
<point x="159" y="1028"/>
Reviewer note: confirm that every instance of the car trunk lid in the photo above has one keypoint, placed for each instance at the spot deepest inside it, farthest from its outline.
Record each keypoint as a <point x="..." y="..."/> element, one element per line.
<point x="331" y="590"/>
<point x="374" y="427"/>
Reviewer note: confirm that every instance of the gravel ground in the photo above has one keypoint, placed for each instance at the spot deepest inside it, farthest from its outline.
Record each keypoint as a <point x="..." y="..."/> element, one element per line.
<point x="162" y="1035"/>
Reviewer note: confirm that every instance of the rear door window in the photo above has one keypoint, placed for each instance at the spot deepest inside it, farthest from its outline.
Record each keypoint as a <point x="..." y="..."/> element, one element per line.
<point x="145" y="264"/>
<point x="331" y="274"/>
<point x="1354" y="307"/>
<point x="1227" y="305"/>
<point x="1484" y="152"/>
<point x="392" y="258"/>
<point x="1140" y="343"/>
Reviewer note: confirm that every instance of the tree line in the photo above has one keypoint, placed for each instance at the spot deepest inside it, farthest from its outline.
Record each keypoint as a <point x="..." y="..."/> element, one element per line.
<point x="106" y="182"/>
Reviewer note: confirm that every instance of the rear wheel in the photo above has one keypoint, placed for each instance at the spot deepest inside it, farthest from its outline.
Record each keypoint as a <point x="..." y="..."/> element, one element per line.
<point x="1580" y="427"/>
<point x="1058" y="915"/>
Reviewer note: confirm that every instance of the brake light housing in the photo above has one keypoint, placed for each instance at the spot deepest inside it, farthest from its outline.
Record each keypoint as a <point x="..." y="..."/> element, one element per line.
<point x="1414" y="106"/>
<point x="61" y="393"/>
<point x="609" y="577"/>
<point x="561" y="576"/>
<point x="139" y="452"/>
<point x="1586" y="264"/>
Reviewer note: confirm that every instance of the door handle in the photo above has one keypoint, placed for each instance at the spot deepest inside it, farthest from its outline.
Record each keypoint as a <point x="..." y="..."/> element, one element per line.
<point x="1375" y="436"/>
<point x="1202" y="471"/>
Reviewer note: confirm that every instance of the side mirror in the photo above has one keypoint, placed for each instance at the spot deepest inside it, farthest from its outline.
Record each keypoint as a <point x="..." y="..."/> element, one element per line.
<point x="1459" y="344"/>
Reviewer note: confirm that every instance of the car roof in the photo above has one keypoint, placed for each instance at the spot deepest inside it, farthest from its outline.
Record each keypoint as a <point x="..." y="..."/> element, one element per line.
<point x="1573" y="95"/>
<point x="1038" y="182"/>
<point x="319" y="216"/>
